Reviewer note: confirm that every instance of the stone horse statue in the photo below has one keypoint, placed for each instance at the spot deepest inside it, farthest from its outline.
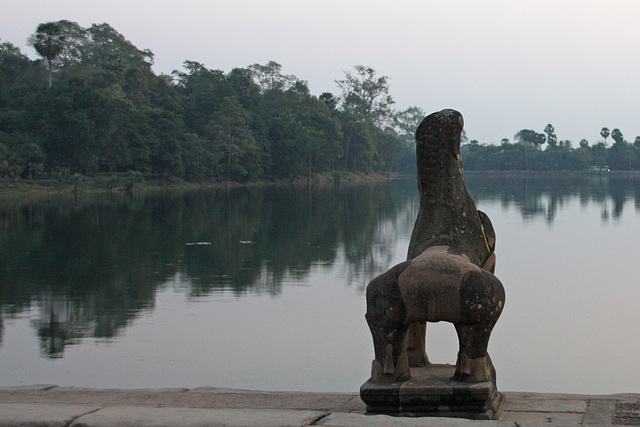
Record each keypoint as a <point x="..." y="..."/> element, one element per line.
<point x="448" y="275"/>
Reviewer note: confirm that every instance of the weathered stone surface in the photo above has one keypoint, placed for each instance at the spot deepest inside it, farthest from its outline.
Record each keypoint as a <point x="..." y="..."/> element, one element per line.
<point x="41" y="415"/>
<point x="204" y="397"/>
<point x="159" y="417"/>
<point x="29" y="401"/>
<point x="627" y="413"/>
<point x="357" y="420"/>
<point x="432" y="391"/>
<point x="448" y="277"/>
<point x="447" y="215"/>
<point x="538" y="418"/>
<point x="599" y="412"/>
<point x="537" y="405"/>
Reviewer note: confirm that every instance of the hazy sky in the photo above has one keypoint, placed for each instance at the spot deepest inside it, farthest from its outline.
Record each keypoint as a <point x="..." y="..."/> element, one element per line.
<point x="505" y="65"/>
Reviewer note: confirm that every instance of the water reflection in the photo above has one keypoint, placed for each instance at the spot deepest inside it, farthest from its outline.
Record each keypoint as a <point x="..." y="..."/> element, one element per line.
<point x="544" y="194"/>
<point x="89" y="267"/>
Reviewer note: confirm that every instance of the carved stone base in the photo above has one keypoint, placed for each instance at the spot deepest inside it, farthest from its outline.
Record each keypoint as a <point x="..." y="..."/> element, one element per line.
<point x="432" y="391"/>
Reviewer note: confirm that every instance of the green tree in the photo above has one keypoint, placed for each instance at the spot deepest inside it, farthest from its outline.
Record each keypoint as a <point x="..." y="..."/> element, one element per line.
<point x="329" y="100"/>
<point x="202" y="91"/>
<point x="16" y="69"/>
<point x="581" y="158"/>
<point x="599" y="154"/>
<point x="365" y="111"/>
<point x="75" y="45"/>
<point x="463" y="137"/>
<point x="584" y="143"/>
<point x="199" y="162"/>
<point x="366" y="96"/>
<point x="229" y="128"/>
<point x="243" y="87"/>
<point x="565" y="143"/>
<point x="166" y="137"/>
<point x="20" y="156"/>
<point x="552" y="139"/>
<point x="407" y="122"/>
<point x="528" y="136"/>
<point x="69" y="122"/>
<point x="19" y="78"/>
<point x="617" y="136"/>
<point x="605" y="134"/>
<point x="113" y="60"/>
<point x="621" y="154"/>
<point x="322" y="134"/>
<point x="48" y="41"/>
<point x="303" y="132"/>
<point x="269" y="77"/>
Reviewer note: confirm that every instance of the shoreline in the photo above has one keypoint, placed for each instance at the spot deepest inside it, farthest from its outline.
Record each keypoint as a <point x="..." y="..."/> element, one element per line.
<point x="19" y="191"/>
<point x="100" y="183"/>
<point x="25" y="190"/>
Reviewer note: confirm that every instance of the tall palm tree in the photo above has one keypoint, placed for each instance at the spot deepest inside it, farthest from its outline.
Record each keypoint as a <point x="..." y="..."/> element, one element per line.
<point x="605" y="134"/>
<point x="48" y="41"/>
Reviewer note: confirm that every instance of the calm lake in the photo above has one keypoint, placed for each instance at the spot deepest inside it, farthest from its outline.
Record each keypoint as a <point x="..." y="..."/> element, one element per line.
<point x="263" y="288"/>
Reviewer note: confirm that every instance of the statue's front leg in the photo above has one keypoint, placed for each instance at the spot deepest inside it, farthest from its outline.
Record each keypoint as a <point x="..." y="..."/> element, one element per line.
<point x="416" y="344"/>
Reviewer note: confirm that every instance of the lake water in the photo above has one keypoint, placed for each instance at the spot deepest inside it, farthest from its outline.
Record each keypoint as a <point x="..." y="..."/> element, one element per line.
<point x="264" y="288"/>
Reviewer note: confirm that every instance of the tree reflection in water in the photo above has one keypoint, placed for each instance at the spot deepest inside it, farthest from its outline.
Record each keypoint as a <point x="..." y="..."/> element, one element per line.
<point x="543" y="194"/>
<point x="90" y="266"/>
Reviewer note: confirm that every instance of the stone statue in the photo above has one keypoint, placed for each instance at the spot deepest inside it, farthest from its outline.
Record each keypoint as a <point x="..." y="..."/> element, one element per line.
<point x="448" y="275"/>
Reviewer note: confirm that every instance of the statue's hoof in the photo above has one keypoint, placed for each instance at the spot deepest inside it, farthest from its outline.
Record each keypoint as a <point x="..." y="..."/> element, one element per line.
<point x="378" y="375"/>
<point x="391" y="378"/>
<point x="420" y="362"/>
<point x="474" y="370"/>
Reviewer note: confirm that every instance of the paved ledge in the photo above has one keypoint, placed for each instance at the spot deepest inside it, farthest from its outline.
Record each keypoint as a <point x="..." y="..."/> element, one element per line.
<point x="50" y="405"/>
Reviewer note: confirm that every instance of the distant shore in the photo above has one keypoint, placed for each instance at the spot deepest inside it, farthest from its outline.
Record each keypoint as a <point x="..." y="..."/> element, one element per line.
<point x="35" y="188"/>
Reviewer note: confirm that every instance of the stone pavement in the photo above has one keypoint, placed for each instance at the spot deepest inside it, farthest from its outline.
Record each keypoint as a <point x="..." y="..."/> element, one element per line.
<point x="49" y="405"/>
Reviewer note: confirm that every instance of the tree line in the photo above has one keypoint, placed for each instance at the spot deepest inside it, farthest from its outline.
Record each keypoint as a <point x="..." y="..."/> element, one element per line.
<point x="93" y="105"/>
<point x="528" y="153"/>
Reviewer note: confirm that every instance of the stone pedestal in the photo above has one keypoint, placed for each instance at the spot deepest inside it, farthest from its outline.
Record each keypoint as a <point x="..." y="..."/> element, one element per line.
<point x="432" y="391"/>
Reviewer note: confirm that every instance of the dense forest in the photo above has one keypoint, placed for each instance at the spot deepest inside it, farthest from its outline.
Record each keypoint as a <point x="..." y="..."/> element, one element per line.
<point x="92" y="104"/>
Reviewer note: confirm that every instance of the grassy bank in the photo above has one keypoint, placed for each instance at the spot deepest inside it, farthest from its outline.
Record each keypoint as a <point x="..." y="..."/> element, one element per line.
<point x="31" y="189"/>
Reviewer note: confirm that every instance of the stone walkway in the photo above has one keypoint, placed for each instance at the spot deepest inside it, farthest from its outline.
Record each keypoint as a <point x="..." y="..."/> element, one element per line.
<point x="48" y="405"/>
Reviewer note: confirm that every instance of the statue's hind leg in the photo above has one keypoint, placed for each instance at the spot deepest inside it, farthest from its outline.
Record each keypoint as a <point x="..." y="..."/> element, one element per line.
<point x="391" y="364"/>
<point x="386" y="314"/>
<point x="416" y="341"/>
<point x="474" y="363"/>
<point x="482" y="298"/>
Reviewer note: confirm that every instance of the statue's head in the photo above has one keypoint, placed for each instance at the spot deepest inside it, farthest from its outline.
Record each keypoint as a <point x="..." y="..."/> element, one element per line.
<point x="440" y="131"/>
<point x="448" y="215"/>
<point x="438" y="149"/>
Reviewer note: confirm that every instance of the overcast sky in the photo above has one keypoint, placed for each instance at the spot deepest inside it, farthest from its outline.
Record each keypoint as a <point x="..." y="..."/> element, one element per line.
<point x="506" y="65"/>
